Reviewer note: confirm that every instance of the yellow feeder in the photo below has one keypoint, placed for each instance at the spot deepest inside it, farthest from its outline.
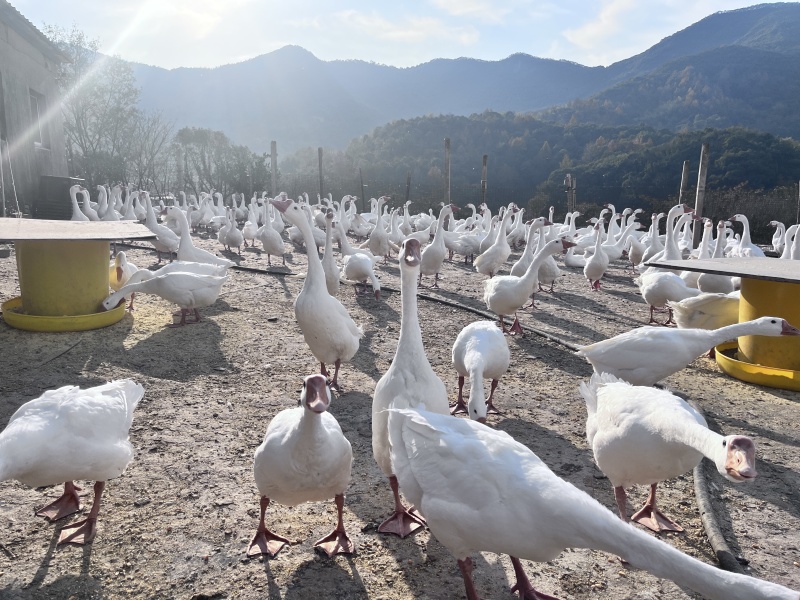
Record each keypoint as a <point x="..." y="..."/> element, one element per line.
<point x="63" y="272"/>
<point x="770" y="288"/>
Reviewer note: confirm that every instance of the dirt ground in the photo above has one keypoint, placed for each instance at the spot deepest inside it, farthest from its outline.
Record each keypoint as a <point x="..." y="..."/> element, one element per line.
<point x="178" y="522"/>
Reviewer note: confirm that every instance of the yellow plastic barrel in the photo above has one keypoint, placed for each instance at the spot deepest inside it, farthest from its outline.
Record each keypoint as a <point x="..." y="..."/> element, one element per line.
<point x="62" y="277"/>
<point x="762" y="298"/>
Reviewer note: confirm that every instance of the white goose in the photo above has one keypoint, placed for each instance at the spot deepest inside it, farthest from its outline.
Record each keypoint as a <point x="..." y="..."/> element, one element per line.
<point x="434" y="253"/>
<point x="646" y="355"/>
<point x="495" y="256"/>
<point x="642" y="436"/>
<point x="187" y="251"/>
<point x="304" y="458"/>
<point x="745" y="248"/>
<point x="597" y="263"/>
<point x="190" y="291"/>
<point x="409" y="382"/>
<point x="327" y="328"/>
<point x="332" y="271"/>
<point x="166" y="239"/>
<point x="715" y="282"/>
<point x="506" y="294"/>
<point x="480" y="351"/>
<point x="359" y="268"/>
<point x="77" y="213"/>
<point x="271" y="240"/>
<point x="70" y="434"/>
<point x="707" y="311"/>
<point x="120" y="272"/>
<point x="86" y="205"/>
<point x="518" y="268"/>
<point x="660" y="287"/>
<point x="480" y="490"/>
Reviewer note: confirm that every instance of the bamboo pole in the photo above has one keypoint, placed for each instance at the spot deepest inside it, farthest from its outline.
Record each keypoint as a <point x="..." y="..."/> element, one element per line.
<point x="319" y="155"/>
<point x="483" y="178"/>
<point x="447" y="170"/>
<point x="273" y="150"/>
<point x="683" y="192"/>
<point x="363" y="196"/>
<point x="408" y="186"/>
<point x="701" y="192"/>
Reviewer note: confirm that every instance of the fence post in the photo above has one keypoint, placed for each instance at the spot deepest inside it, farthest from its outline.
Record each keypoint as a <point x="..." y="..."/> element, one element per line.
<point x="447" y="170"/>
<point x="484" y="172"/>
<point x="319" y="155"/>
<point x="273" y="156"/>
<point x="701" y="192"/>
<point x="408" y="186"/>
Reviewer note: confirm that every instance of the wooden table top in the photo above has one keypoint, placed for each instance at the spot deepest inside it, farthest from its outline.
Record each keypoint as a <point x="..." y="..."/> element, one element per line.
<point x="44" y="229"/>
<point x="770" y="269"/>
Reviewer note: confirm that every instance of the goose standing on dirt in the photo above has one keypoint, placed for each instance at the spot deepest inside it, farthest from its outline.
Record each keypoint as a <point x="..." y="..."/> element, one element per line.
<point x="409" y="382"/>
<point x="434" y="253"/>
<point x="190" y="291"/>
<point x="480" y="490"/>
<point x="716" y="283"/>
<point x="707" y="311"/>
<point x="70" y="434"/>
<point x="596" y="264"/>
<point x="646" y="355"/>
<point x="187" y="251"/>
<point x="166" y="240"/>
<point x="330" y="332"/>
<point x="304" y="458"/>
<point x="480" y="351"/>
<point x="359" y="268"/>
<point x="506" y="294"/>
<point x="518" y="268"/>
<point x="643" y="435"/>
<point x="120" y="272"/>
<point x="494" y="257"/>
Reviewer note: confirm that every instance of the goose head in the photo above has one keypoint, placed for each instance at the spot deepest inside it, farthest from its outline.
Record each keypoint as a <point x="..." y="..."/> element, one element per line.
<point x="289" y="209"/>
<point x="409" y="253"/>
<point x="736" y="460"/>
<point x="772" y="326"/>
<point x="316" y="394"/>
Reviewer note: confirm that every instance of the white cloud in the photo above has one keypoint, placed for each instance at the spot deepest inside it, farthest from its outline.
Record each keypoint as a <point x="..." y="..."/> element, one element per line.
<point x="413" y="30"/>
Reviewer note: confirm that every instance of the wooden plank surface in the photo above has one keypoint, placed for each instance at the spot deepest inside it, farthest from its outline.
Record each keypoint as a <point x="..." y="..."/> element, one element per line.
<point x="43" y="229"/>
<point x="771" y="269"/>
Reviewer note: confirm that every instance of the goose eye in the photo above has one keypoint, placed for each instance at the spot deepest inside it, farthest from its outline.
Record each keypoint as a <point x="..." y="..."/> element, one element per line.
<point x="724" y="443"/>
<point x="773" y="321"/>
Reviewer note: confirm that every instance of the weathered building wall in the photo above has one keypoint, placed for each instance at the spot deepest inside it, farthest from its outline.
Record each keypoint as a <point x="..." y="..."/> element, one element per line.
<point x="34" y="146"/>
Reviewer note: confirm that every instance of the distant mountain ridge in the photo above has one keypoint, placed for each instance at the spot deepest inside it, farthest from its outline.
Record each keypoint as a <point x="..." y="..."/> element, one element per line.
<point x="291" y="96"/>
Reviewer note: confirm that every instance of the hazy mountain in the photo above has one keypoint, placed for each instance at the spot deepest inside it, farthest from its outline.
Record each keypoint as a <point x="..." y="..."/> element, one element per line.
<point x="735" y="67"/>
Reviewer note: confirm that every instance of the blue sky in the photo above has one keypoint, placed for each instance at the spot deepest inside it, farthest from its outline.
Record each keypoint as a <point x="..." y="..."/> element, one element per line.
<point x="209" y="33"/>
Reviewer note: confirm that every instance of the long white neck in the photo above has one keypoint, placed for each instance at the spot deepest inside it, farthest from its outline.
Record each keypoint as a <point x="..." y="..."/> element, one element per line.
<point x="532" y="272"/>
<point x="476" y="389"/>
<point x="608" y="532"/>
<point x="745" y="241"/>
<point x="316" y="274"/>
<point x="527" y="253"/>
<point x="410" y="342"/>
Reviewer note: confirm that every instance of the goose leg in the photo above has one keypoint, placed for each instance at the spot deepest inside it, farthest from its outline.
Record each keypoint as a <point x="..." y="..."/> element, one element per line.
<point x="334" y="381"/>
<point x="130" y="306"/>
<point x="460" y="406"/>
<point x="516" y="328"/>
<point x="404" y="521"/>
<point x="619" y="495"/>
<point x="652" y="320"/>
<point x="523" y="585"/>
<point x="67" y="504"/>
<point x="466" y="572"/>
<point x="264" y="541"/>
<point x="670" y="320"/>
<point x="652" y="518"/>
<point x="490" y="409"/>
<point x="83" y="532"/>
<point x="436" y="280"/>
<point x="337" y="541"/>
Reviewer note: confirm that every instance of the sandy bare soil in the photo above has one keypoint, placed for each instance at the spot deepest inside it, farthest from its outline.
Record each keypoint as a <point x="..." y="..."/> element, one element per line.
<point x="178" y="522"/>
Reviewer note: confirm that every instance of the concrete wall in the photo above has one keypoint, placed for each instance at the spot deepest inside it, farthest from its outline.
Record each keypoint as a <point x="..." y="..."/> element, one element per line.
<point x="24" y="69"/>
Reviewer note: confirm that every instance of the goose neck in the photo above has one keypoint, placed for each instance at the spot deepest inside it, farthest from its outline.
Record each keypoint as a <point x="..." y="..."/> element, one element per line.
<point x="410" y="332"/>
